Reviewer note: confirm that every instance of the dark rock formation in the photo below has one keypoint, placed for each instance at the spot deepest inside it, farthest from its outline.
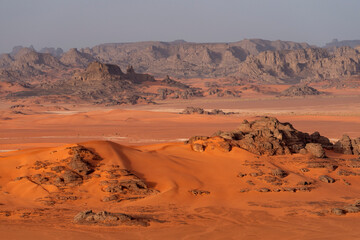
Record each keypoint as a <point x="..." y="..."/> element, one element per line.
<point x="296" y="91"/>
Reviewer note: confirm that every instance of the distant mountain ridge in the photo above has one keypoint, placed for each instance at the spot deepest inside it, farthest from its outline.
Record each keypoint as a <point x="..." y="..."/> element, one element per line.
<point x="343" y="43"/>
<point x="255" y="60"/>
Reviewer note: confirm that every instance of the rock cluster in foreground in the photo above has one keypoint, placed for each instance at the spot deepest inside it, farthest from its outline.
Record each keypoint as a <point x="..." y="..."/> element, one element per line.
<point x="268" y="136"/>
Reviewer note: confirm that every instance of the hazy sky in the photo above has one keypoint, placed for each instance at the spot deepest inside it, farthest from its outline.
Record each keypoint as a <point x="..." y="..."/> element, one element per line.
<point x="85" y="23"/>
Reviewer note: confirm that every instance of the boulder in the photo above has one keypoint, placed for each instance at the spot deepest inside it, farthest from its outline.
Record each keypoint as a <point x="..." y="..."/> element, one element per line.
<point x="198" y="147"/>
<point x="326" y="179"/>
<point x="338" y="211"/>
<point x="315" y="149"/>
<point x="344" y="145"/>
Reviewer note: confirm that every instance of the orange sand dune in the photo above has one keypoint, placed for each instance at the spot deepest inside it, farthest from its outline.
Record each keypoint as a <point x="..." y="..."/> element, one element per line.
<point x="173" y="169"/>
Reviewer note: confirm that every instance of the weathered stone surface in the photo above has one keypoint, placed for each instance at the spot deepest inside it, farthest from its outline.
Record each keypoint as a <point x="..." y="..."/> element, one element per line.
<point x="107" y="218"/>
<point x="265" y="136"/>
<point x="315" y="149"/>
<point x="352" y="209"/>
<point x="72" y="178"/>
<point x="278" y="172"/>
<point x="198" y="147"/>
<point x="338" y="211"/>
<point x="326" y="179"/>
<point x="302" y="90"/>
<point x="198" y="192"/>
<point x="346" y="145"/>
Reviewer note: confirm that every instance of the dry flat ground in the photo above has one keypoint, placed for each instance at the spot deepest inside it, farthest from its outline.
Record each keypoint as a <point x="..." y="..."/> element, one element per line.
<point x="147" y="140"/>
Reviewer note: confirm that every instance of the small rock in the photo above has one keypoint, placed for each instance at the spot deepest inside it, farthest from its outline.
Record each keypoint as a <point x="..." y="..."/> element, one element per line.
<point x="279" y="173"/>
<point x="241" y="175"/>
<point x="197" y="192"/>
<point x="110" y="198"/>
<point x="264" y="190"/>
<point x="289" y="189"/>
<point x="304" y="183"/>
<point x="338" y="211"/>
<point x="352" y="209"/>
<point x="326" y="179"/>
<point x="256" y="174"/>
<point x="357" y="203"/>
<point x="198" y="147"/>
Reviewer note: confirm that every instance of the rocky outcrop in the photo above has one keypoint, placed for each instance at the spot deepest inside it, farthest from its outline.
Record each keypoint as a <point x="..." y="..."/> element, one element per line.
<point x="100" y="72"/>
<point x="184" y="59"/>
<point x="108" y="219"/>
<point x="198" y="110"/>
<point x="172" y="83"/>
<point x="80" y="167"/>
<point x="264" y="136"/>
<point x="27" y="64"/>
<point x="251" y="60"/>
<point x="296" y="91"/>
<point x="167" y="93"/>
<point x="305" y="65"/>
<point x="346" y="145"/>
<point x="75" y="58"/>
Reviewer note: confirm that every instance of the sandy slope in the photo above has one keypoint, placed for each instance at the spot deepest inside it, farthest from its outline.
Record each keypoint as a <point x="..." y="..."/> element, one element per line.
<point x="174" y="169"/>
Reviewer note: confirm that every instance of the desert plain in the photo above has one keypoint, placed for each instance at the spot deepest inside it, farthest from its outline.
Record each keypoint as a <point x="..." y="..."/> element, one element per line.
<point x="172" y="191"/>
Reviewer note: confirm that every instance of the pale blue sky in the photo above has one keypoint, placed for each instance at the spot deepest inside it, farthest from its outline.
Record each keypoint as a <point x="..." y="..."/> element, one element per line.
<point x="85" y="23"/>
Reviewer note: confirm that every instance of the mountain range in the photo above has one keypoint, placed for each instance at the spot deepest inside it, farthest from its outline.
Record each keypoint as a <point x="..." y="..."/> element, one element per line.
<point x="257" y="60"/>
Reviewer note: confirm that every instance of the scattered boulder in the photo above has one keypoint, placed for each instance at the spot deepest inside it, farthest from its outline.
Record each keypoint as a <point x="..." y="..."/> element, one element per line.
<point x="352" y="209"/>
<point x="338" y="211"/>
<point x="279" y="173"/>
<point x="71" y="178"/>
<point x="78" y="165"/>
<point x="198" y="147"/>
<point x="197" y="192"/>
<point x="264" y="190"/>
<point x="107" y="218"/>
<point x="315" y="149"/>
<point x="326" y="179"/>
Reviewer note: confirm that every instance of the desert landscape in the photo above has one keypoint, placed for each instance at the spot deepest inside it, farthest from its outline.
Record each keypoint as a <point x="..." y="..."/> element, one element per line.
<point x="249" y="139"/>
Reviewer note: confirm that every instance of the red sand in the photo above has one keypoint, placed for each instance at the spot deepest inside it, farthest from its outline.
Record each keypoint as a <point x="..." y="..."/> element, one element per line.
<point x="174" y="169"/>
